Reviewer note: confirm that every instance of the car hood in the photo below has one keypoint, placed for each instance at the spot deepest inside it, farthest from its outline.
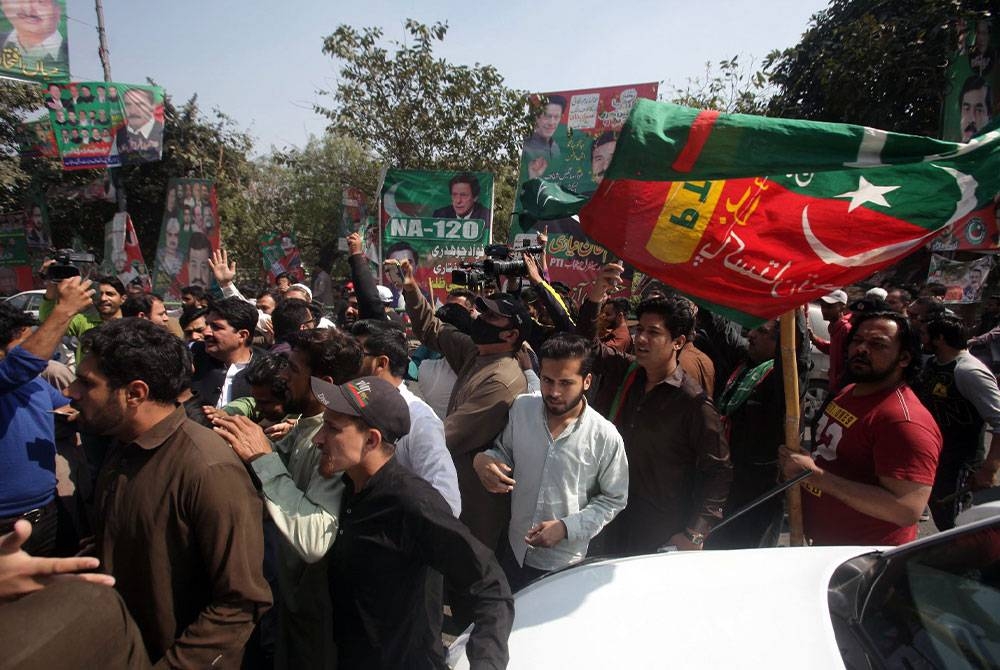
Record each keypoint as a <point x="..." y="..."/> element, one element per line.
<point x="713" y="609"/>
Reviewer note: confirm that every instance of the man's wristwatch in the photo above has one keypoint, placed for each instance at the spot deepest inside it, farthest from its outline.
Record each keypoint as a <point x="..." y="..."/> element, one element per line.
<point x="694" y="538"/>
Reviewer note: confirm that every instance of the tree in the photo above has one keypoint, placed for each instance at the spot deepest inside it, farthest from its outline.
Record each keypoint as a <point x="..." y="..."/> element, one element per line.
<point x="416" y="111"/>
<point x="881" y="64"/>
<point x="18" y="100"/>
<point x="729" y="86"/>
<point x="194" y="146"/>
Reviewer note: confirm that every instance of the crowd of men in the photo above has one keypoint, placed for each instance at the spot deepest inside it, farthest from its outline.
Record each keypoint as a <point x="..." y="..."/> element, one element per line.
<point x="266" y="485"/>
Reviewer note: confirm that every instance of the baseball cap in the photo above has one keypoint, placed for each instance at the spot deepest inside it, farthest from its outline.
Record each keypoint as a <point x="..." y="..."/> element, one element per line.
<point x="377" y="402"/>
<point x="507" y="305"/>
<point x="385" y="293"/>
<point x="835" y="297"/>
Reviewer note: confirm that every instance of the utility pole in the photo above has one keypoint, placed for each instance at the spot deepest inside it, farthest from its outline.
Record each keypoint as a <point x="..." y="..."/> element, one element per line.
<point x="102" y="51"/>
<point x="102" y="38"/>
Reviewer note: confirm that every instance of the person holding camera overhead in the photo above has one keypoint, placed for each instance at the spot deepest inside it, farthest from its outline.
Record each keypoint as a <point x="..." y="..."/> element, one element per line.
<point x="489" y="378"/>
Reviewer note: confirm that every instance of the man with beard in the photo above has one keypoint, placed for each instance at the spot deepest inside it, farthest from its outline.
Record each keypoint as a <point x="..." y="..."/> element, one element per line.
<point x="108" y="300"/>
<point x="876" y="446"/>
<point x="614" y="330"/>
<point x="177" y="518"/>
<point x="303" y="505"/>
<point x="562" y="463"/>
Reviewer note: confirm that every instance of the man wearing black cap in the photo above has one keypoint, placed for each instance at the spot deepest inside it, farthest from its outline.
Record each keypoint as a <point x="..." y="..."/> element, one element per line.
<point x="395" y="531"/>
<point x="489" y="378"/>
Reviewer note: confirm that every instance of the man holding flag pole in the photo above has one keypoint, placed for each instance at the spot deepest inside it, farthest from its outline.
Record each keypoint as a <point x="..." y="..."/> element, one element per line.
<point x="754" y="216"/>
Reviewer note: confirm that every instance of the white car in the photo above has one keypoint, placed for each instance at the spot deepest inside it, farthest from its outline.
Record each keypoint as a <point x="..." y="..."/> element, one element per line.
<point x="933" y="603"/>
<point x="27" y="301"/>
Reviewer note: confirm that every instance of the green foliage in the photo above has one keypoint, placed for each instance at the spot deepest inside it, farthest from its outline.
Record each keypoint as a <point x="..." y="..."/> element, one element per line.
<point x="18" y="102"/>
<point x="416" y="111"/>
<point x="880" y="64"/>
<point x="194" y="145"/>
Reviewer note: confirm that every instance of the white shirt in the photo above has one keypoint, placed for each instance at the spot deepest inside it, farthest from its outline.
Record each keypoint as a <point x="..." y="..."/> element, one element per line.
<point x="580" y="478"/>
<point x="423" y="450"/>
<point x="435" y="380"/>
<point x="227" y="386"/>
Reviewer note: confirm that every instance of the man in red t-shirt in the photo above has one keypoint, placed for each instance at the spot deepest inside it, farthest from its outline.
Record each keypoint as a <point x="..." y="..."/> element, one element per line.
<point x="876" y="446"/>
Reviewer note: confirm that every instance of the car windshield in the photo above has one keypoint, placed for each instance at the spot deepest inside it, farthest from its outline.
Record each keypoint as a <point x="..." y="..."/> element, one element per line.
<point x="939" y="606"/>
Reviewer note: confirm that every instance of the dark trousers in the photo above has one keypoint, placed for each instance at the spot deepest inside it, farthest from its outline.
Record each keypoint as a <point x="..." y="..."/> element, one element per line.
<point x="518" y="576"/>
<point x="950" y="493"/>
<point x="44" y="528"/>
<point x="70" y="625"/>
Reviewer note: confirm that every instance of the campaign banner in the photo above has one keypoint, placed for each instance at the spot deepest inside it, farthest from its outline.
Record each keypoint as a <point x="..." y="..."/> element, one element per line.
<point x="31" y="222"/>
<point x="573" y="140"/>
<point x="122" y="255"/>
<point x="964" y="281"/>
<point x="33" y="40"/>
<point x="436" y="220"/>
<point x="280" y="253"/>
<point x="189" y="234"/>
<point x="35" y="139"/>
<point x="976" y="232"/>
<point x="15" y="259"/>
<point x="354" y="213"/>
<point x="99" y="188"/>
<point x="101" y="125"/>
<point x="973" y="77"/>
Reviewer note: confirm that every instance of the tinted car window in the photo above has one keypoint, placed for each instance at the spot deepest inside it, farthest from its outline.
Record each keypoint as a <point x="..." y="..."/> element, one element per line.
<point x="940" y="607"/>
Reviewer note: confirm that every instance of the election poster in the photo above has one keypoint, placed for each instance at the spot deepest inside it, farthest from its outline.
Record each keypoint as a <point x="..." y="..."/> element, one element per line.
<point x="189" y="234"/>
<point x="100" y="125"/>
<point x="976" y="232"/>
<point x="15" y="260"/>
<point x="354" y="213"/>
<point x="32" y="221"/>
<point x="35" y="139"/>
<point x="963" y="281"/>
<point x="437" y="221"/>
<point x="122" y="255"/>
<point x="280" y="253"/>
<point x="973" y="76"/>
<point x="33" y="40"/>
<point x="573" y="140"/>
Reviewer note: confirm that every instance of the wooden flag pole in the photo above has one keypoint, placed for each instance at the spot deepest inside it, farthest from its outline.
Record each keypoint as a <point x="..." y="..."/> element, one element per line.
<point x="790" y="369"/>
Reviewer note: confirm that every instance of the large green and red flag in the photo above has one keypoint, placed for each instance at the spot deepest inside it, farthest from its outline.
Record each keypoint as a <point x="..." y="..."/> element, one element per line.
<point x="754" y="216"/>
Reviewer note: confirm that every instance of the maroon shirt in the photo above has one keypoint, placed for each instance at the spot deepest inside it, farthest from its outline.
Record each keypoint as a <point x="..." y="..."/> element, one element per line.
<point x="179" y="527"/>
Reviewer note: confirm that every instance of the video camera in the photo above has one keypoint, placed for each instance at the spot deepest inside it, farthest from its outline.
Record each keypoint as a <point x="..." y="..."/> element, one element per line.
<point x="499" y="260"/>
<point x="65" y="265"/>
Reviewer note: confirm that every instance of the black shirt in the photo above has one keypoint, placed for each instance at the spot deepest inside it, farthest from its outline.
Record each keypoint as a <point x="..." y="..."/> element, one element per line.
<point x="394" y="534"/>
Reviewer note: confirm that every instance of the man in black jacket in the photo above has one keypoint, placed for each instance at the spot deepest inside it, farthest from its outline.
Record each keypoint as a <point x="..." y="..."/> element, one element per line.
<point x="220" y="360"/>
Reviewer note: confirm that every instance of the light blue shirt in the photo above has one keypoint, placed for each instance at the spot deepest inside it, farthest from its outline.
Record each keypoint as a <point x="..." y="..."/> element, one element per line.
<point x="580" y="478"/>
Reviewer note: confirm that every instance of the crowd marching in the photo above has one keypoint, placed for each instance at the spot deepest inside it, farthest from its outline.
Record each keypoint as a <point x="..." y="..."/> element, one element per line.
<point x="273" y="481"/>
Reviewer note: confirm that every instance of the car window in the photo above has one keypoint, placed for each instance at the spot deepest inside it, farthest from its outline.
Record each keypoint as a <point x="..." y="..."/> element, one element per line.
<point x="18" y="301"/>
<point x="34" y="302"/>
<point x="937" y="608"/>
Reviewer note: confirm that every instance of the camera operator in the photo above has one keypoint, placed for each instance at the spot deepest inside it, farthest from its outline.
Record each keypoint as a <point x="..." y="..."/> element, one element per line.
<point x="108" y="301"/>
<point x="489" y="378"/>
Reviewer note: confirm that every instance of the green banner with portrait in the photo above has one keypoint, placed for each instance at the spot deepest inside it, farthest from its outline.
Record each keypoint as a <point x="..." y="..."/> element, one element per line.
<point x="189" y="234"/>
<point x="100" y="124"/>
<point x="33" y="40"/>
<point x="436" y="220"/>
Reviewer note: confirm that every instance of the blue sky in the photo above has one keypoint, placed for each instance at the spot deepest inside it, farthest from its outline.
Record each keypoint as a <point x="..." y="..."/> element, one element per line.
<point x="261" y="62"/>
